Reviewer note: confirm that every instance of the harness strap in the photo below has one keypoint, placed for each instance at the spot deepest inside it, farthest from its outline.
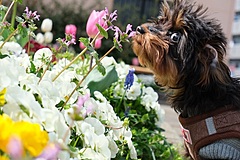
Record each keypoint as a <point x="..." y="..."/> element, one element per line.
<point x="201" y="130"/>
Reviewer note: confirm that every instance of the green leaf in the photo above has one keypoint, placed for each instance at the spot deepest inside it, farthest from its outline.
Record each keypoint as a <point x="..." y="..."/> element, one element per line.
<point x="19" y="19"/>
<point x="24" y="109"/>
<point x="117" y="45"/>
<point x="32" y="68"/>
<point x="22" y="38"/>
<point x="3" y="56"/>
<point x="98" y="82"/>
<point x="19" y="1"/>
<point x="102" y="31"/>
<point x="85" y="41"/>
<point x="22" y="30"/>
<point x="101" y="69"/>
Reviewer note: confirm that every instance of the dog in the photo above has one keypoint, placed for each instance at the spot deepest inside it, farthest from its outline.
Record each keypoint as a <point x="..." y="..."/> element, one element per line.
<point x="186" y="52"/>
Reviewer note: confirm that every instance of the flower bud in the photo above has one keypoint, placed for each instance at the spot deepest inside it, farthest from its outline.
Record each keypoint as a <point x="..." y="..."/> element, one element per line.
<point x="71" y="29"/>
<point x="81" y="45"/>
<point x="40" y="38"/>
<point x="46" y="25"/>
<point x="98" y="43"/>
<point x="96" y="17"/>
<point x="48" y="37"/>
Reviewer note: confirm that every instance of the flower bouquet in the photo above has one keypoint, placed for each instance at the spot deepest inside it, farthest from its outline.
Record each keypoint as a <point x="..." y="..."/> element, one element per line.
<point x="54" y="105"/>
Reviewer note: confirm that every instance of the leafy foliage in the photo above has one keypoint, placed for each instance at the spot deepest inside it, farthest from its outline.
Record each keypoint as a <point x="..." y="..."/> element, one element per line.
<point x="147" y="136"/>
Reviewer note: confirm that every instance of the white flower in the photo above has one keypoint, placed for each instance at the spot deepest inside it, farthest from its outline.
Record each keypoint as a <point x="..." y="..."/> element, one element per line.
<point x="48" y="37"/>
<point x="11" y="48"/>
<point x="11" y="72"/>
<point x="118" y="90"/>
<point x="46" y="25"/>
<point x="134" y="91"/>
<point x="107" y="61"/>
<point x="160" y="115"/>
<point x="113" y="147"/>
<point x="23" y="60"/>
<point x="22" y="105"/>
<point x="96" y="124"/>
<point x="149" y="97"/>
<point x="122" y="70"/>
<point x="40" y="38"/>
<point x="42" y="56"/>
<point x="49" y="94"/>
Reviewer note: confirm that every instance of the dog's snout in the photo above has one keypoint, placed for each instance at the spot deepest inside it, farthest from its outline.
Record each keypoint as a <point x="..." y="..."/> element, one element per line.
<point x="140" y="30"/>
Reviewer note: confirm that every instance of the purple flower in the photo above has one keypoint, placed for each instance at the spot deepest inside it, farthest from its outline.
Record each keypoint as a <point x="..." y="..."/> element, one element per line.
<point x="129" y="79"/>
<point x="31" y="15"/>
<point x="15" y="148"/>
<point x="50" y="152"/>
<point x="81" y="100"/>
<point x="69" y="39"/>
<point x="129" y="31"/>
<point x="117" y="33"/>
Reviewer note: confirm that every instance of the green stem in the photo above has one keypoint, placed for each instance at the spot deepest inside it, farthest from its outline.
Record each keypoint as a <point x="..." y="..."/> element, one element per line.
<point x="49" y="63"/>
<point x="14" y="14"/>
<point x="9" y="8"/>
<point x="119" y="103"/>
<point x="75" y="143"/>
<point x="79" y="55"/>
<point x="6" y="40"/>
<point x="80" y="82"/>
<point x="66" y="67"/>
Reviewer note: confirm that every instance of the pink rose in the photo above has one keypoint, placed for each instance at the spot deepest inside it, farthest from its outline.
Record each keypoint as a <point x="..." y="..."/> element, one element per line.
<point x="96" y="17"/>
<point x="71" y="29"/>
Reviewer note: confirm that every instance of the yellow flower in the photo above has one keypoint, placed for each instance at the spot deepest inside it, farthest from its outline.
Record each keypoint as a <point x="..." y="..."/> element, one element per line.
<point x="6" y="125"/>
<point x="4" y="158"/>
<point x="33" y="138"/>
<point x="2" y="97"/>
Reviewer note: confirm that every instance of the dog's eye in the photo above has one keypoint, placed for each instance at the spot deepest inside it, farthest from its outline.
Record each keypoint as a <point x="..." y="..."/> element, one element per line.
<point x="175" y="37"/>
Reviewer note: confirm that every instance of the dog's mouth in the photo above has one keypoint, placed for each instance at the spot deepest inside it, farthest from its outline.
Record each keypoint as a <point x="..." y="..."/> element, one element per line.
<point x="138" y="38"/>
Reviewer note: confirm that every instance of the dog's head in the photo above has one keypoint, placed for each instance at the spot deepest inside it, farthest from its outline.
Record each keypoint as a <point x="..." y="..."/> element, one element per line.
<point x="182" y="46"/>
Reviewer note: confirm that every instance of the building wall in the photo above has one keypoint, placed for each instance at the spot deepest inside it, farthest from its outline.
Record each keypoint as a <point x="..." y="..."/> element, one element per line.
<point x="98" y="4"/>
<point x="222" y="10"/>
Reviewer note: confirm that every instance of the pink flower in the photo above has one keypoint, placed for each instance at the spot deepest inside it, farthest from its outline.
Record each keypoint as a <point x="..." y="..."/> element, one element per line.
<point x="81" y="100"/>
<point x="98" y="43"/>
<point x="50" y="152"/>
<point x="81" y="45"/>
<point x="96" y="17"/>
<point x="135" y="61"/>
<point x="15" y="148"/>
<point x="71" y="29"/>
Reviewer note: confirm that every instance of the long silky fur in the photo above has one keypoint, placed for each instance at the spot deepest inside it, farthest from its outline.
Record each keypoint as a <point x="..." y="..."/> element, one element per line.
<point x="193" y="71"/>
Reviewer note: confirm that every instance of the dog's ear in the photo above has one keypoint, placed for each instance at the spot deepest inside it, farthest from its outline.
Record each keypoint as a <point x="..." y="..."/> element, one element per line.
<point x="212" y="66"/>
<point x="208" y="59"/>
<point x="211" y="55"/>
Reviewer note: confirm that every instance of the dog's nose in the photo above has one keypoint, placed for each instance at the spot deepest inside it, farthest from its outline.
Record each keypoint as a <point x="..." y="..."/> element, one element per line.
<point x="140" y="30"/>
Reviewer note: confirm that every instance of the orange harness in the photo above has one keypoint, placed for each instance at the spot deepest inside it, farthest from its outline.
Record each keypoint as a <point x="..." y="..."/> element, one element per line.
<point x="201" y="130"/>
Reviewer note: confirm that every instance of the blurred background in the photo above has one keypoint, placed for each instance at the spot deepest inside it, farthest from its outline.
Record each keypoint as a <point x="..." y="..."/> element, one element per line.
<point x="134" y="12"/>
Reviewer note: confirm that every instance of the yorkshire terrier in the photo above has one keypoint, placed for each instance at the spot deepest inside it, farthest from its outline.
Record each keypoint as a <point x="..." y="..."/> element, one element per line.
<point x="186" y="52"/>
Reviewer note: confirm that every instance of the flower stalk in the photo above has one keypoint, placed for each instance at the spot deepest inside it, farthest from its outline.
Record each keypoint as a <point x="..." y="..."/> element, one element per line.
<point x="75" y="59"/>
<point x="80" y="82"/>
<point x="9" y="8"/>
<point x="8" y="38"/>
<point x="14" y="14"/>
